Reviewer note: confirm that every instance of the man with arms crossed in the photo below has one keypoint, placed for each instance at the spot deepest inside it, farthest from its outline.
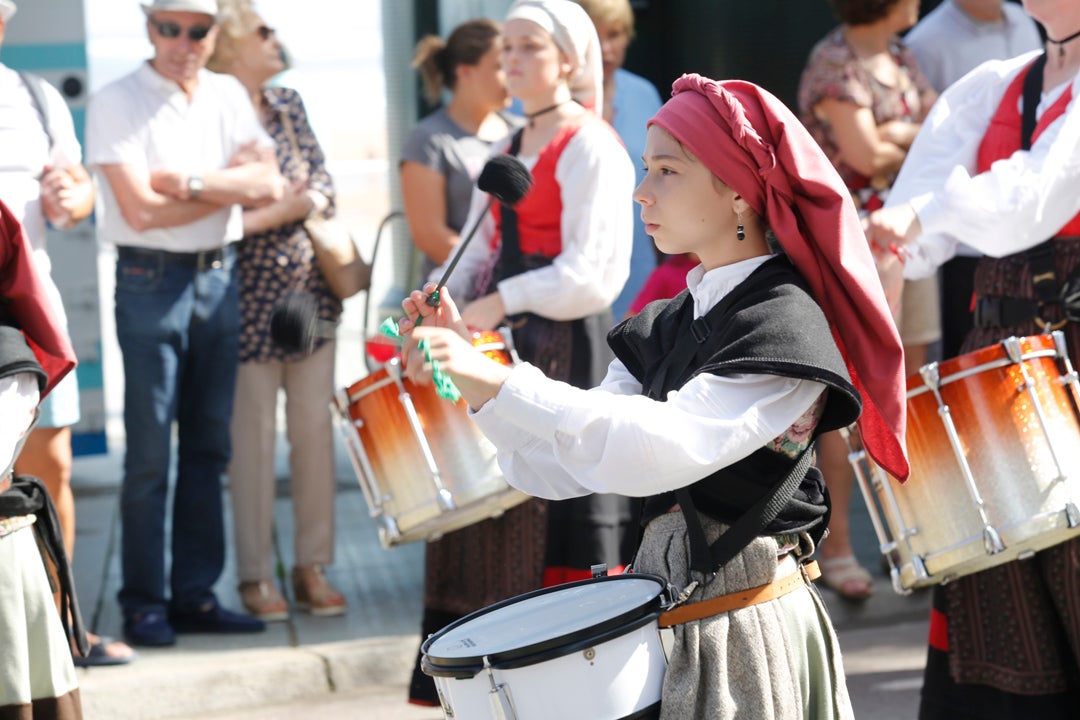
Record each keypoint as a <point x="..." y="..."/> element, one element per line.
<point x="178" y="150"/>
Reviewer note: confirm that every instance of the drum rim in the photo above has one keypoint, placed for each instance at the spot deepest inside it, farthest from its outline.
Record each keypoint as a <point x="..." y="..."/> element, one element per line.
<point x="550" y="648"/>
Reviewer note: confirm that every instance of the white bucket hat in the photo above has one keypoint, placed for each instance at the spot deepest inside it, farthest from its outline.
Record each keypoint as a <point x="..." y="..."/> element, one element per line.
<point x="7" y="9"/>
<point x="206" y="7"/>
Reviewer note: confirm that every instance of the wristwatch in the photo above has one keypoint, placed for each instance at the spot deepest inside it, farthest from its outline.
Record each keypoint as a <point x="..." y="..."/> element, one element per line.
<point x="194" y="187"/>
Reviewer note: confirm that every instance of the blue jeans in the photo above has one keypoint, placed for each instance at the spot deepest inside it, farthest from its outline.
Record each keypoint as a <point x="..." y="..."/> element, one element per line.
<point x="178" y="327"/>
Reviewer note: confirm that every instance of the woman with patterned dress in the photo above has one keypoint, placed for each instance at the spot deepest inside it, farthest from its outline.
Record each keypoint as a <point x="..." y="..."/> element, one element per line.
<point x="1004" y="642"/>
<point x="274" y="259"/>
<point x="863" y="98"/>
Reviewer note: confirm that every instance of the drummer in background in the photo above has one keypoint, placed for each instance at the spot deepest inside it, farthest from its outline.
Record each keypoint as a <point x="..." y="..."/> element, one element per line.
<point x="697" y="412"/>
<point x="1005" y="642"/>
<point x="440" y="162"/>
<point x="551" y="267"/>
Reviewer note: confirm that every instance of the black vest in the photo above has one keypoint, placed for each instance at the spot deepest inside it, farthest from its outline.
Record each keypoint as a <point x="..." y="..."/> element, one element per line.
<point x="768" y="324"/>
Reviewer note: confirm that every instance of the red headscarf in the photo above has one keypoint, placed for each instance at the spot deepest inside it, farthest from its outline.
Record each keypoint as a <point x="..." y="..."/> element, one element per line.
<point x="24" y="297"/>
<point x="758" y="148"/>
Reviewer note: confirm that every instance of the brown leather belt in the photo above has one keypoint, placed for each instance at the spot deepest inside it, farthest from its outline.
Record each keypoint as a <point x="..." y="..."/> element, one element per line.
<point x="741" y="599"/>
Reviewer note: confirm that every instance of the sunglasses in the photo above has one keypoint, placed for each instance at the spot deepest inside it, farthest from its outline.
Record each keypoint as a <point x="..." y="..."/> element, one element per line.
<point x="264" y="32"/>
<point x="171" y="31"/>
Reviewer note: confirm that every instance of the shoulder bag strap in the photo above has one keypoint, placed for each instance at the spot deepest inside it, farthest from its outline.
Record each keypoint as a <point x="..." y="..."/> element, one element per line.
<point x="41" y="103"/>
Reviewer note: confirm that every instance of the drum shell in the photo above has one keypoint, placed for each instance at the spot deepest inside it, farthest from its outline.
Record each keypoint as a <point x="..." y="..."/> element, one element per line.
<point x="934" y="520"/>
<point x="613" y="669"/>
<point x="389" y="454"/>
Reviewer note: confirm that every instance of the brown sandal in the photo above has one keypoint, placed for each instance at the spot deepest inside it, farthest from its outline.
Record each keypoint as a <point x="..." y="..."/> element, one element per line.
<point x="847" y="578"/>
<point x="262" y="599"/>
<point x="314" y="593"/>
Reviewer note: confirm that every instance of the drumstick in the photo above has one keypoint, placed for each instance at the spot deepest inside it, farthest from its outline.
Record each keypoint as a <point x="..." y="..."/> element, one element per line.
<point x="505" y="179"/>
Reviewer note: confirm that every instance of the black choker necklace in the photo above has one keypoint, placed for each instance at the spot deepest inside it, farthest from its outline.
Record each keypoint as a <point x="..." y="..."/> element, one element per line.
<point x="531" y="117"/>
<point x="1061" y="43"/>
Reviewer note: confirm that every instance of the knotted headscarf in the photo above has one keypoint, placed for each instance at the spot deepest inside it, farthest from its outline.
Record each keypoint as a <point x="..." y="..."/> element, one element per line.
<point x="574" y="34"/>
<point x="754" y="144"/>
<point x="24" y="299"/>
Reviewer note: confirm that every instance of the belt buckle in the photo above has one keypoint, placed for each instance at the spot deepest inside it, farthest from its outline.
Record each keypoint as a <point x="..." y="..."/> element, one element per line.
<point x="202" y="257"/>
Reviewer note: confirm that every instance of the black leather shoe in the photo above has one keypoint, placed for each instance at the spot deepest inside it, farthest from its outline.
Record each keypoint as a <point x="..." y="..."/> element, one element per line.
<point x="149" y="629"/>
<point x="213" y="619"/>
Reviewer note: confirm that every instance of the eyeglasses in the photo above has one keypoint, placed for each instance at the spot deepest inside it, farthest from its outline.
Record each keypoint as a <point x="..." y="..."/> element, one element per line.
<point x="264" y="32"/>
<point x="171" y="31"/>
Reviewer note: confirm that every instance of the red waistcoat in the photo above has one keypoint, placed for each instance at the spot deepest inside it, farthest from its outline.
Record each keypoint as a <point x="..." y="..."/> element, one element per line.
<point x="1002" y="137"/>
<point x="539" y="213"/>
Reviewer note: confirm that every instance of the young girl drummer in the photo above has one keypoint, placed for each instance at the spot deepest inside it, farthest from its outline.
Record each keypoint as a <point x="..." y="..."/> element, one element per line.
<point x="716" y="396"/>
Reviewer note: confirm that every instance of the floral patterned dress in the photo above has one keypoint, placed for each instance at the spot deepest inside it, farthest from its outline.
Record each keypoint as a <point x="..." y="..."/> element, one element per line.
<point x="281" y="260"/>
<point x="833" y="71"/>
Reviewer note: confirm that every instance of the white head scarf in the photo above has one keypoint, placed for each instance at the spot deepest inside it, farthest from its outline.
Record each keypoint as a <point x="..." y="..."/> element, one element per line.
<point x="574" y="34"/>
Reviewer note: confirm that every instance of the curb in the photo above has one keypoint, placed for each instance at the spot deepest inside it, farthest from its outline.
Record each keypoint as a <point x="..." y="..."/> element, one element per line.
<point x="166" y="684"/>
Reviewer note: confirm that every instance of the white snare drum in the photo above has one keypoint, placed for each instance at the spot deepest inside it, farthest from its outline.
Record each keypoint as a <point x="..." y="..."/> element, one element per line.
<point x="423" y="465"/>
<point x="588" y="649"/>
<point x="994" y="444"/>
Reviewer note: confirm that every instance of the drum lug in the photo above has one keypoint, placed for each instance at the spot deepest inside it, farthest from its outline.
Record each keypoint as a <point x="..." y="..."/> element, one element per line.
<point x="446" y="500"/>
<point x="931" y="376"/>
<point x="502" y="706"/>
<point x="598" y="570"/>
<point x="1013" y="351"/>
<point x="1072" y="514"/>
<point x="897" y="583"/>
<point x="992" y="541"/>
<point x="389" y="533"/>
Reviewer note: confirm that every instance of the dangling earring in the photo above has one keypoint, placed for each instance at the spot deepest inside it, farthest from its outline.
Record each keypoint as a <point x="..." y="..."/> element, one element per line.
<point x="739" y="234"/>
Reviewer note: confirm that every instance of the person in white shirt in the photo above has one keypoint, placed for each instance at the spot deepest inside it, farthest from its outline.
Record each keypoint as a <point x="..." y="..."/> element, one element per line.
<point x="950" y="41"/>
<point x="178" y="150"/>
<point x="979" y="174"/>
<point x="44" y="183"/>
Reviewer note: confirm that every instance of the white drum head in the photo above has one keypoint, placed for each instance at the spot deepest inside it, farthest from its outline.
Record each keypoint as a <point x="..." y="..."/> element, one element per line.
<point x="545" y="621"/>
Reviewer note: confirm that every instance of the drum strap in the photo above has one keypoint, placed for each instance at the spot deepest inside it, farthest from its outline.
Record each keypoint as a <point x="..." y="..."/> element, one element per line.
<point x="1006" y="312"/>
<point x="511" y="242"/>
<point x="706" y="558"/>
<point x="741" y="599"/>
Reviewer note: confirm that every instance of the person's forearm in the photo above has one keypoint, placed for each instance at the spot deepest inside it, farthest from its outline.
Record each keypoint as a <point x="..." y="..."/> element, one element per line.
<point x="289" y="209"/>
<point x="248" y="185"/>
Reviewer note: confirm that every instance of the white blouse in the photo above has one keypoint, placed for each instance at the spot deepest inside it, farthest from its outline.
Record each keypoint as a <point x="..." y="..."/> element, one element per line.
<point x="1020" y="202"/>
<point x="596" y="181"/>
<point x="557" y="441"/>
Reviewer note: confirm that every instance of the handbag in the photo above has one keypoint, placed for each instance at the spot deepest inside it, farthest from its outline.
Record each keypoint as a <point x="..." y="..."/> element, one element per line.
<point x="337" y="257"/>
<point x="336" y="253"/>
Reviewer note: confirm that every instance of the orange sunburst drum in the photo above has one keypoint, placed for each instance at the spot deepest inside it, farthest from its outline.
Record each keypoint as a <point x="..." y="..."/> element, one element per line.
<point x="423" y="465"/>
<point x="994" y="442"/>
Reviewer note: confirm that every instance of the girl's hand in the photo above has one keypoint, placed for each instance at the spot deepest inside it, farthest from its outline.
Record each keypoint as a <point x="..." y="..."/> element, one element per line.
<point x="418" y="312"/>
<point x="478" y="378"/>
<point x="893" y="227"/>
<point x="485" y="313"/>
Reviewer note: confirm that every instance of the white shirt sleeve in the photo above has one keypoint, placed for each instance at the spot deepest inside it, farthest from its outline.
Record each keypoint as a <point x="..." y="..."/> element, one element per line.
<point x="596" y="181"/>
<point x="1019" y="202"/>
<point x="113" y="135"/>
<point x="18" y="399"/>
<point x="557" y="441"/>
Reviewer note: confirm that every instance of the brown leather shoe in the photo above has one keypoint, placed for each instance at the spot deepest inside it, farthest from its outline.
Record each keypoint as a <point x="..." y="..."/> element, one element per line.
<point x="314" y="593"/>
<point x="262" y="599"/>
